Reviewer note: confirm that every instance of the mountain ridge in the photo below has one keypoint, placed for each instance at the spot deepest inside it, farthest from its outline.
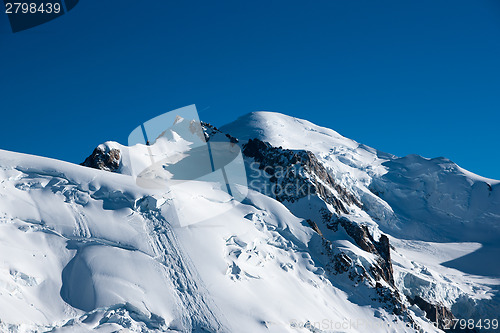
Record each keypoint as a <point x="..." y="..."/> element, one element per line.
<point x="336" y="249"/>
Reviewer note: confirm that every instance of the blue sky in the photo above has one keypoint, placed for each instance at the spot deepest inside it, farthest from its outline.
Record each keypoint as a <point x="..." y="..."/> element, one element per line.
<point x="401" y="76"/>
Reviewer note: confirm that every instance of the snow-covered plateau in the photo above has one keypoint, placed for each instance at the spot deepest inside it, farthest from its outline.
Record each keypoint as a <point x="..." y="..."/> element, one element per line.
<point x="329" y="236"/>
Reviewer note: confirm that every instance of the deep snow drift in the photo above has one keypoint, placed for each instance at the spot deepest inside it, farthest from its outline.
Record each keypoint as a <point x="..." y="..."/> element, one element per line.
<point x="88" y="250"/>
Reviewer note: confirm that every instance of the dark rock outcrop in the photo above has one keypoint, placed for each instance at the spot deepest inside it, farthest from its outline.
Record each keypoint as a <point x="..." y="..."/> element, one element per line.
<point x="362" y="237"/>
<point x="210" y="131"/>
<point x="104" y="158"/>
<point x="300" y="173"/>
<point x="441" y="316"/>
<point x="337" y="262"/>
<point x="314" y="226"/>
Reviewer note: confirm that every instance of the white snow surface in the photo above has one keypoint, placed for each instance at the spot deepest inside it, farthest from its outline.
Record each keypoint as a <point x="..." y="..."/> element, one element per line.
<point x="86" y="250"/>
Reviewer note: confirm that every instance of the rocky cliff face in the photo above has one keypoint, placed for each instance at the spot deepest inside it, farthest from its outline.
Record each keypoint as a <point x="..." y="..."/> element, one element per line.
<point x="301" y="172"/>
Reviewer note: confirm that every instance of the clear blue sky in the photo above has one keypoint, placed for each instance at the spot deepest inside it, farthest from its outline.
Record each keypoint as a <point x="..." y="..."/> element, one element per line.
<point x="412" y="76"/>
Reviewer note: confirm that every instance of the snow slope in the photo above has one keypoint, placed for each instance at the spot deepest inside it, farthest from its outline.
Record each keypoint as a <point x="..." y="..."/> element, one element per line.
<point x="88" y="250"/>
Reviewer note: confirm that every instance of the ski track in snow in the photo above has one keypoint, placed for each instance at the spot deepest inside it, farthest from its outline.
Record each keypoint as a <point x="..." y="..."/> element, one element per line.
<point x="201" y="310"/>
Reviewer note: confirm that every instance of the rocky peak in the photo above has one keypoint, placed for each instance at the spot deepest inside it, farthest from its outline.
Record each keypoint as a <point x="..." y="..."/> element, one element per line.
<point x="104" y="158"/>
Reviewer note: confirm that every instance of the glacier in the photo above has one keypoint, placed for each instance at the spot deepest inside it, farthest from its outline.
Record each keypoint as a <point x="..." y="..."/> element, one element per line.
<point x="379" y="243"/>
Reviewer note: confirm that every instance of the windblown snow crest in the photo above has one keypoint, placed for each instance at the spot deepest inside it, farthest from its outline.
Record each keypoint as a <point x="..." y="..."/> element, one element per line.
<point x="332" y="236"/>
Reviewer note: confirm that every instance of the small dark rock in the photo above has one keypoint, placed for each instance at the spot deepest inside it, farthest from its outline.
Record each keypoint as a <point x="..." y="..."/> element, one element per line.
<point x="104" y="159"/>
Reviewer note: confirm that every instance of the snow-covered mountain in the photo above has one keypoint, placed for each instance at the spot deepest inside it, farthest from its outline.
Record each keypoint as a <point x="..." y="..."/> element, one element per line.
<point x="331" y="236"/>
